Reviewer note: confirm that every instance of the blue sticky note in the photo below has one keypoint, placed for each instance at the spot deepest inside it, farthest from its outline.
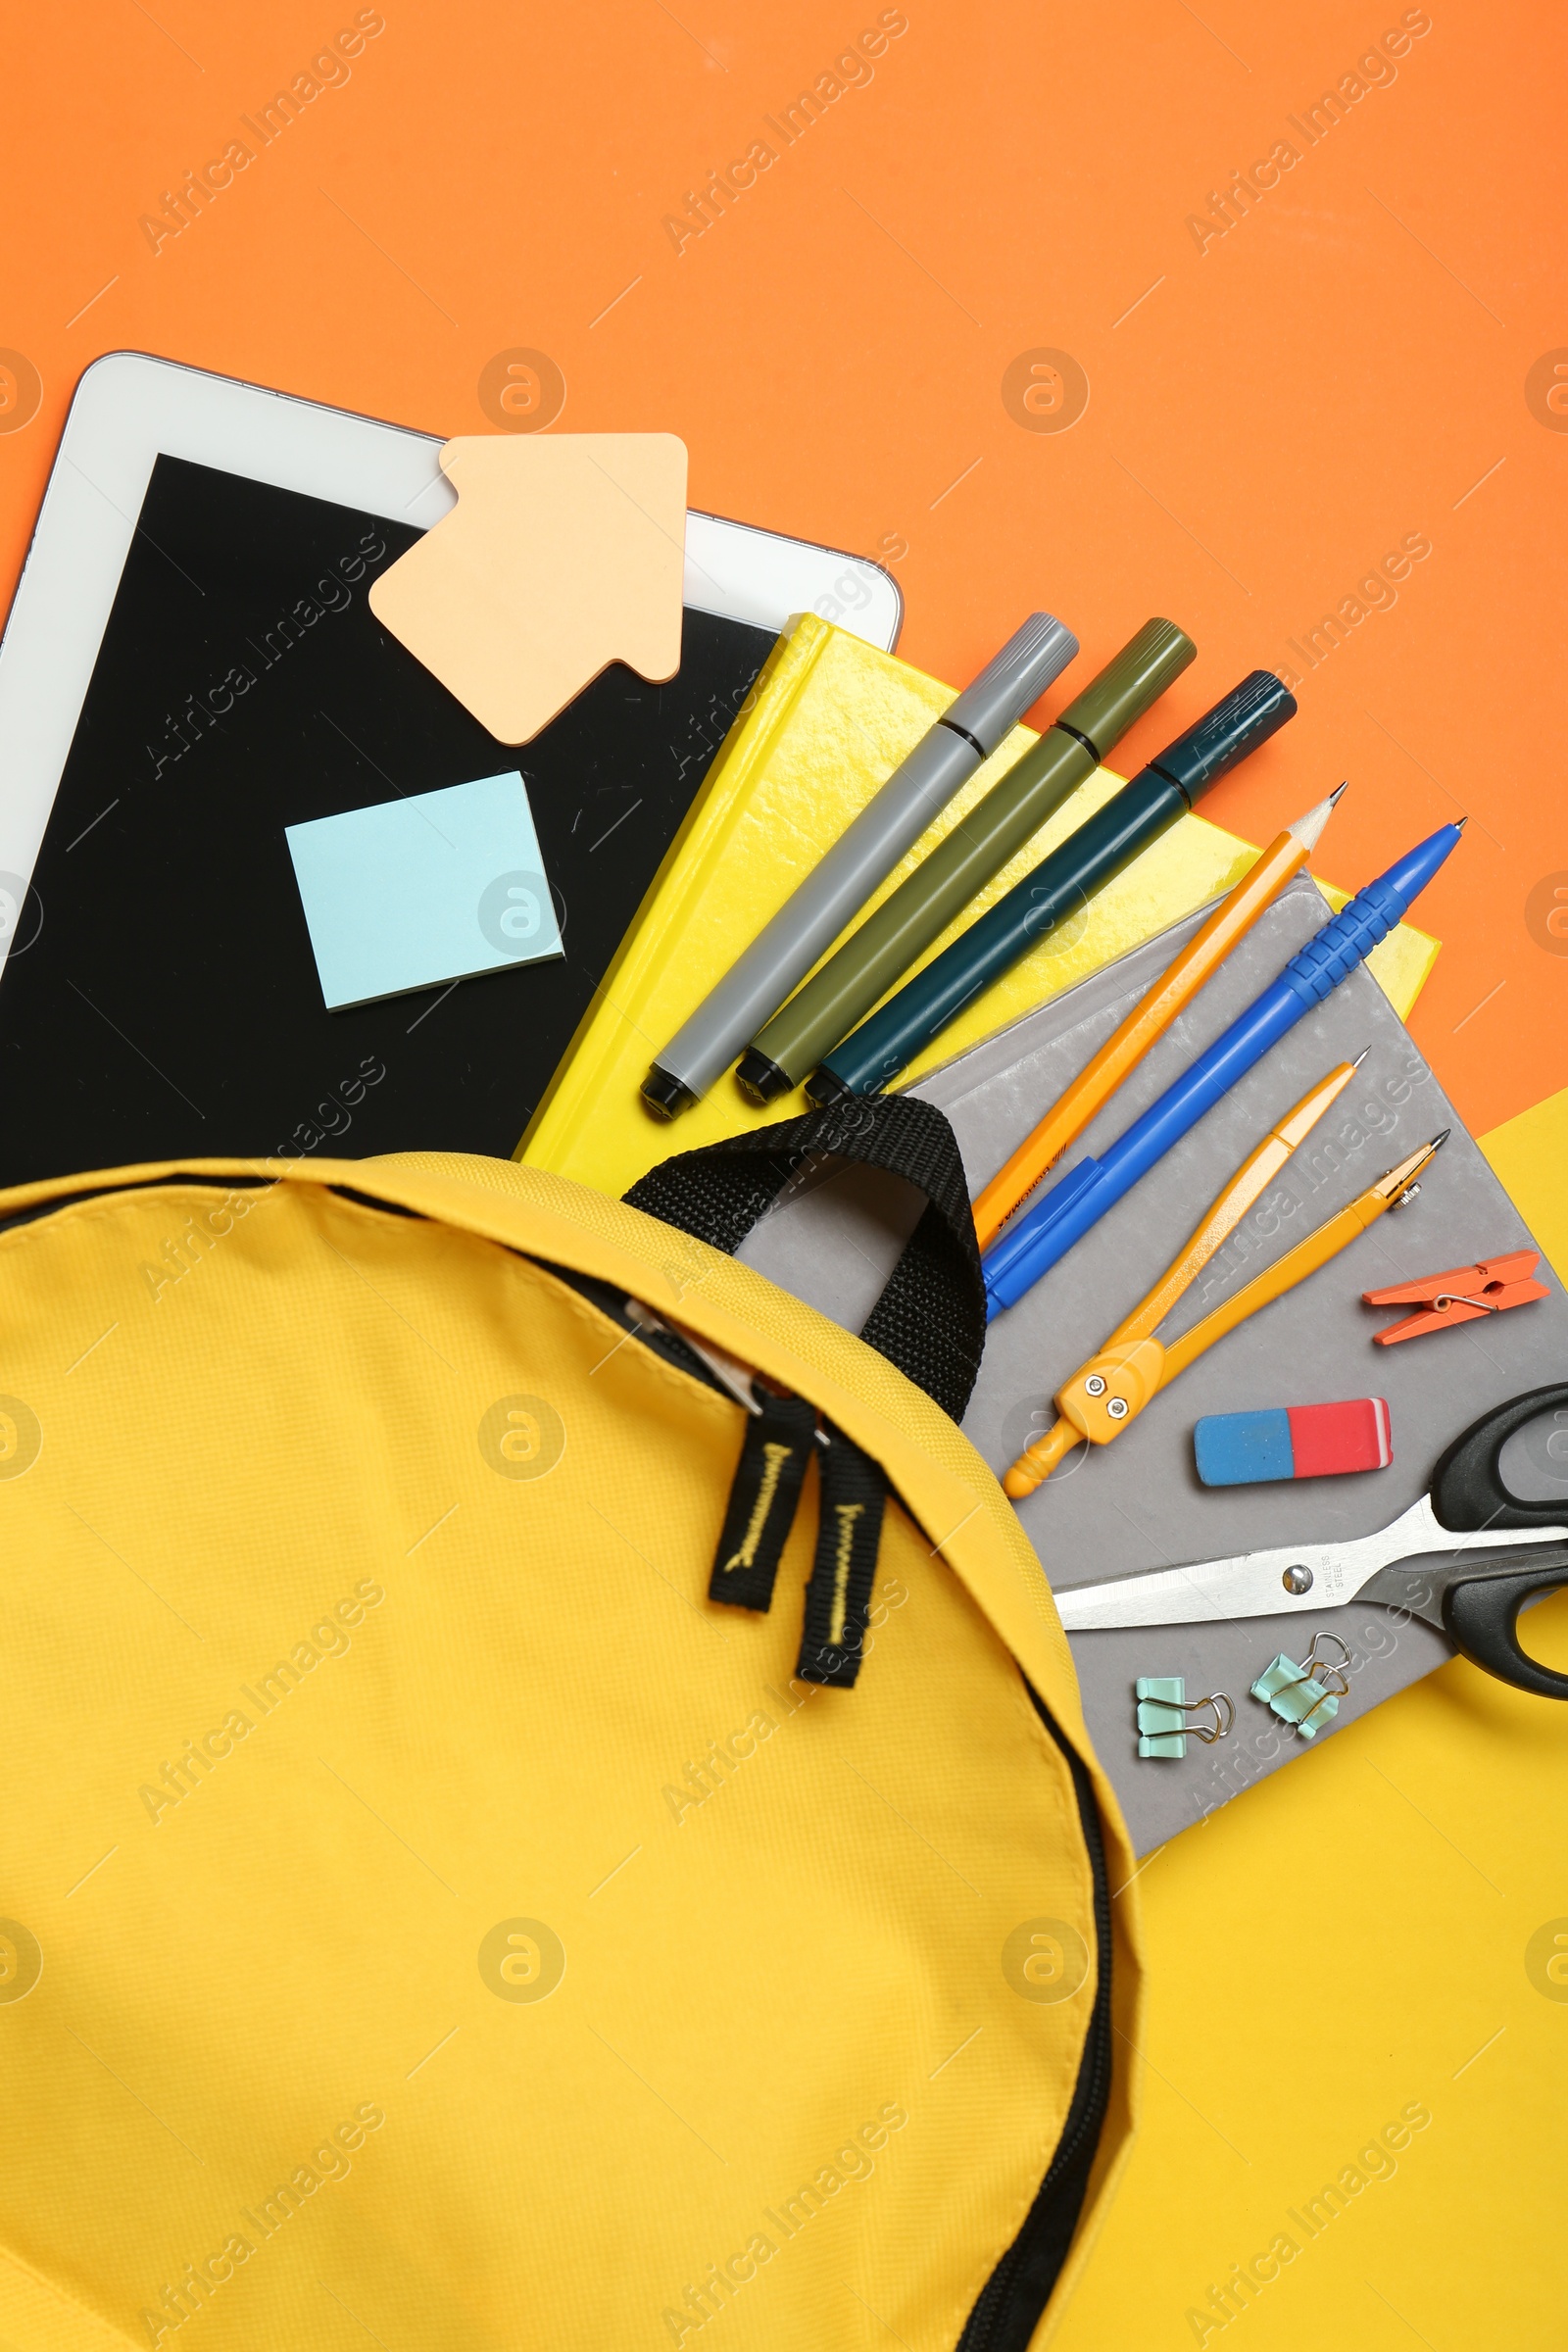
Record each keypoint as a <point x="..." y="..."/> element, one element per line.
<point x="435" y="887"/>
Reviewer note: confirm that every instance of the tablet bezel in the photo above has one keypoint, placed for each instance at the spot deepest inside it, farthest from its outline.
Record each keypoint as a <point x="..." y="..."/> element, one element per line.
<point x="129" y="408"/>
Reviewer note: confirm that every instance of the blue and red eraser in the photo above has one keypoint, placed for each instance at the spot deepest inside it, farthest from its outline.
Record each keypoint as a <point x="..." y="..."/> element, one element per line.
<point x="1296" y="1441"/>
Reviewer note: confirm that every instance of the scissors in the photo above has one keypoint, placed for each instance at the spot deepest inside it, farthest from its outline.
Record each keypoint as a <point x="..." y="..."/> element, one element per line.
<point x="1426" y="1562"/>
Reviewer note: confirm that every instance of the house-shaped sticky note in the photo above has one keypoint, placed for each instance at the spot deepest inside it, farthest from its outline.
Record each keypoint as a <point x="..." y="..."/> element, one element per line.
<point x="565" y="552"/>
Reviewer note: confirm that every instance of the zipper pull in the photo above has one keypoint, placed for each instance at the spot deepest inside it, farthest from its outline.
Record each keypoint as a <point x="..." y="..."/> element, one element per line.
<point x="780" y="1435"/>
<point x="848" y="1537"/>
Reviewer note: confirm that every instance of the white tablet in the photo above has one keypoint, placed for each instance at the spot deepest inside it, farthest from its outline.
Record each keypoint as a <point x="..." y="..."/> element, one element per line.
<point x="130" y="409"/>
<point x="191" y="673"/>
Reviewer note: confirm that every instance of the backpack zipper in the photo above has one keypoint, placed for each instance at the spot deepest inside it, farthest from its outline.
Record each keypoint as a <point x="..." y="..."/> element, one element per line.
<point x="1008" y="2307"/>
<point x="142" y="1184"/>
<point x="699" y="1359"/>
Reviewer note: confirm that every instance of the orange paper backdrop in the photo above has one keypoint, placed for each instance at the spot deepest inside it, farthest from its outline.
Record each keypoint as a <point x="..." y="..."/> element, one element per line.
<point x="1292" y="371"/>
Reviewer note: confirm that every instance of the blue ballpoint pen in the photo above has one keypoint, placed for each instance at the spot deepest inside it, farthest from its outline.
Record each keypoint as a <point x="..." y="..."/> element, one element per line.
<point x="1031" y="1244"/>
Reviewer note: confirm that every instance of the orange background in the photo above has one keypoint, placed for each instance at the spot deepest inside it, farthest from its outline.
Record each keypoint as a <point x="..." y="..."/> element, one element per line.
<point x="1336" y="371"/>
<point x="1267" y="418"/>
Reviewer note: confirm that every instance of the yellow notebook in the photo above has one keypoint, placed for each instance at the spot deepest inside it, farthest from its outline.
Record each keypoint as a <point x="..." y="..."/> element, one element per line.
<point x="826" y="724"/>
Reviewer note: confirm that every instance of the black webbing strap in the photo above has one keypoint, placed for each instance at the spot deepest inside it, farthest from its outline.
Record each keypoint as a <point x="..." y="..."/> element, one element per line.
<point x="930" y="1320"/>
<point x="849" y="1533"/>
<point x="775" y="1452"/>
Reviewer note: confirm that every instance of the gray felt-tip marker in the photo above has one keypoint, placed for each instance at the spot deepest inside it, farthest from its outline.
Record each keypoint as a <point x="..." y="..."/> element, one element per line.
<point x="838" y="886"/>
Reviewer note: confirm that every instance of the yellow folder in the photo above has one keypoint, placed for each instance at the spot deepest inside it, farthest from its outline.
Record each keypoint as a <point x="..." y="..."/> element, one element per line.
<point x="826" y="724"/>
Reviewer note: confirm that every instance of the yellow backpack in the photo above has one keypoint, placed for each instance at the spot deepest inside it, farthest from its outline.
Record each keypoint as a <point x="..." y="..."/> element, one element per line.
<point x="431" y="1919"/>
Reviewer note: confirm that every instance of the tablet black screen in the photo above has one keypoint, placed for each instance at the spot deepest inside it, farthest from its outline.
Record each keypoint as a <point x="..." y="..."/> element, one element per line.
<point x="160" y="1000"/>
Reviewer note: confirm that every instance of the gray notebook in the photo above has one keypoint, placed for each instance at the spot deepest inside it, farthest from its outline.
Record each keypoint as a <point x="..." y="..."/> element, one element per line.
<point x="1138" y="1503"/>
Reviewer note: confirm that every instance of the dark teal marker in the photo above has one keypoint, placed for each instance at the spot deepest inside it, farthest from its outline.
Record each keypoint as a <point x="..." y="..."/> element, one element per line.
<point x="874" y="1056"/>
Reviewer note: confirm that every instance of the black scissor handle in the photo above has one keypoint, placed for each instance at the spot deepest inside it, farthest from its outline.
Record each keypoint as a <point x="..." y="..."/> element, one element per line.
<point x="1467" y="1491"/>
<point x="1481" y="1615"/>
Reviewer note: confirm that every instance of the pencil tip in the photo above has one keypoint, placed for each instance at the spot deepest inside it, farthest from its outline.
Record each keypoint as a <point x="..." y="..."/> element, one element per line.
<point x="1360" y="1057"/>
<point x="1308" y="829"/>
<point x="1334" y="795"/>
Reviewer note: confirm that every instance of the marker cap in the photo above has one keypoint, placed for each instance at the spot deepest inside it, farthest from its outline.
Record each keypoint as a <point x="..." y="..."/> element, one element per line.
<point x="665" y="1095"/>
<point x="1017" y="676"/>
<point x="1248" y="716"/>
<point x="1127" y="686"/>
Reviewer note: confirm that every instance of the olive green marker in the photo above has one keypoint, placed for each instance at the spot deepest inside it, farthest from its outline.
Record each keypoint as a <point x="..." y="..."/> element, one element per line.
<point x="838" y="997"/>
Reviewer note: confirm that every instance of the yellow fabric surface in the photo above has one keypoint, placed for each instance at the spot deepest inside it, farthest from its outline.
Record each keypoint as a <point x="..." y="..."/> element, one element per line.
<point x="305" y="1706"/>
<point x="827" y="722"/>
<point x="1367" y="1931"/>
<point x="1528" y="1155"/>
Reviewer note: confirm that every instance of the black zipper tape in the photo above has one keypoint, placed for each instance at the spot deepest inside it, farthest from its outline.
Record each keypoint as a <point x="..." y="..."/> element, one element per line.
<point x="848" y="1537"/>
<point x="53" y="1207"/>
<point x="1008" y="2307"/>
<point x="778" y="1445"/>
<point x="613" y="1302"/>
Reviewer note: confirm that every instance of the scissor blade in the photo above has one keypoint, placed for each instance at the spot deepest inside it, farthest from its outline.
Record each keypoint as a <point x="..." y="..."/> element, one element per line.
<point x="1251" y="1585"/>
<point x="1290" y="1580"/>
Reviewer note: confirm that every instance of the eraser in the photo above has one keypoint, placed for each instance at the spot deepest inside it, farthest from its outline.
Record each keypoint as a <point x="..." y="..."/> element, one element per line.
<point x="1298" y="1441"/>
<point x="1329" y="1439"/>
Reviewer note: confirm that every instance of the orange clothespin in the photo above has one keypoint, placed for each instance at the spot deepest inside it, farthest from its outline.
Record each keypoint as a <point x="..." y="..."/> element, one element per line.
<point x="1460" y="1294"/>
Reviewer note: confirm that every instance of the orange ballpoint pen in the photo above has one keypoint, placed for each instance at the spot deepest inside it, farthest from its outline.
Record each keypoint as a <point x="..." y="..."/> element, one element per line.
<point x="1202" y="957"/>
<point x="1107" y="1394"/>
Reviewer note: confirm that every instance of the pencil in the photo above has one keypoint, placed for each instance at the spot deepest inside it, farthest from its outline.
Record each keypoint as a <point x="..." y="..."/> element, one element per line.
<point x="1202" y="957"/>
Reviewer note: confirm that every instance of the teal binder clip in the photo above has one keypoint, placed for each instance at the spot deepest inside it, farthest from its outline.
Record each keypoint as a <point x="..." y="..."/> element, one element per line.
<point x="1164" y="1707"/>
<point x="1306" y="1695"/>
